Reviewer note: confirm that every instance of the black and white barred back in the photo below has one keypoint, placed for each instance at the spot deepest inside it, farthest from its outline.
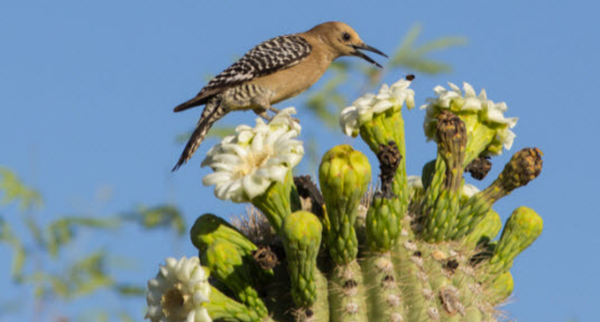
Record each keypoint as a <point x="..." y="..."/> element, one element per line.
<point x="266" y="58"/>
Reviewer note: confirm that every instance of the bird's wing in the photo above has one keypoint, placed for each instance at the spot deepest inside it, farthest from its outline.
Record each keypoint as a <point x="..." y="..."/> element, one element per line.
<point x="266" y="58"/>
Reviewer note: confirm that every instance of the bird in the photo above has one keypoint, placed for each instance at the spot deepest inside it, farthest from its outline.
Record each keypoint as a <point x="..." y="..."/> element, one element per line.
<point x="273" y="71"/>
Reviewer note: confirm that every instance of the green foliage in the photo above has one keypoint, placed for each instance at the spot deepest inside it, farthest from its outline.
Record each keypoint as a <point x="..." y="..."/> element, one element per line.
<point x="414" y="58"/>
<point x="7" y="236"/>
<point x="37" y="260"/>
<point x="62" y="231"/>
<point x="161" y="216"/>
<point x="14" y="190"/>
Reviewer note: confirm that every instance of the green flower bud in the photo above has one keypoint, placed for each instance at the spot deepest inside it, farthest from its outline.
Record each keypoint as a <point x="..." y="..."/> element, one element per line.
<point x="223" y="308"/>
<point x="344" y="175"/>
<point x="522" y="228"/>
<point x="228" y="263"/>
<point x="383" y="223"/>
<point x="486" y="230"/>
<point x="502" y="287"/>
<point x="209" y="228"/>
<point x="301" y="236"/>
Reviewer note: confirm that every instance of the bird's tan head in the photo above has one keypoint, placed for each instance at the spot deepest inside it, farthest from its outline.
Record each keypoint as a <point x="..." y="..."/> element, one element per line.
<point x="343" y="40"/>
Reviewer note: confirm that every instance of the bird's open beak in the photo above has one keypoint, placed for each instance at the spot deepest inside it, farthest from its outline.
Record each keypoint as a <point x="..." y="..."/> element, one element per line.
<point x="365" y="57"/>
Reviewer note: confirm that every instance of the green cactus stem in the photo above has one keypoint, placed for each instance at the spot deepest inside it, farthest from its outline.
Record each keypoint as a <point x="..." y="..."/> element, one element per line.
<point x="275" y="203"/>
<point x="418" y="296"/>
<point x="385" y="131"/>
<point x="344" y="175"/>
<point x="383" y="291"/>
<point x="384" y="217"/>
<point x="452" y="141"/>
<point x="383" y="223"/>
<point x="347" y="294"/>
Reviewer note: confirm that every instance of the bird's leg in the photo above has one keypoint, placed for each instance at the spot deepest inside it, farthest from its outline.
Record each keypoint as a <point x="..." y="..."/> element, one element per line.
<point x="274" y="110"/>
<point x="263" y="113"/>
<point x="262" y="106"/>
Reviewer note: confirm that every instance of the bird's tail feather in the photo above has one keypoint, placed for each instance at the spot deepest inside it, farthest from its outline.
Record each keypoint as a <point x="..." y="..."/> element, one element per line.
<point x="212" y="113"/>
<point x="196" y="101"/>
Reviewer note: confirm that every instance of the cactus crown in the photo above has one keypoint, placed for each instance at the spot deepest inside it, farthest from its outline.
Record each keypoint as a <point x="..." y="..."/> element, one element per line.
<point x="415" y="249"/>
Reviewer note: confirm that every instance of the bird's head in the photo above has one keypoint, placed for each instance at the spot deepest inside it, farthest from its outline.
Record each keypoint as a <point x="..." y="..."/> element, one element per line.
<point x="343" y="40"/>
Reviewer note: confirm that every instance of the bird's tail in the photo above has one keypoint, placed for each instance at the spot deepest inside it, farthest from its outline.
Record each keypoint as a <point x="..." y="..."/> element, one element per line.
<point x="196" y="101"/>
<point x="212" y="113"/>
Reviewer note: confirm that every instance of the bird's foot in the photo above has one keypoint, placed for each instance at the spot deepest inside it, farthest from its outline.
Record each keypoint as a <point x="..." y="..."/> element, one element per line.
<point x="263" y="113"/>
<point x="274" y="110"/>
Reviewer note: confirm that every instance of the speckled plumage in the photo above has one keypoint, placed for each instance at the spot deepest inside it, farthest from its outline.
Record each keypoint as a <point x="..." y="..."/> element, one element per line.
<point x="266" y="58"/>
<point x="273" y="71"/>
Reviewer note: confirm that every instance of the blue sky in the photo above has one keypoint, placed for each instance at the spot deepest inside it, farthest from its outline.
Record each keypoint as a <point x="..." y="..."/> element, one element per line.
<point x="87" y="90"/>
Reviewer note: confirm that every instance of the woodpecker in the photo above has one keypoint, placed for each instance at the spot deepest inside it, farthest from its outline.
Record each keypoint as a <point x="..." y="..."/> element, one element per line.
<point x="273" y="71"/>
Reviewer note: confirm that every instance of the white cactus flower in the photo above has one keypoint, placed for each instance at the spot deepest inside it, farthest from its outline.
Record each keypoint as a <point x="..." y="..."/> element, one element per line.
<point x="414" y="182"/>
<point x="469" y="190"/>
<point x="245" y="164"/>
<point x="365" y="107"/>
<point x="466" y="104"/>
<point x="178" y="292"/>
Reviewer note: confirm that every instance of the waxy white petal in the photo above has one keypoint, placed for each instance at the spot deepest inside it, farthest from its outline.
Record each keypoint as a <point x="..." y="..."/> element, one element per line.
<point x="175" y="279"/>
<point x="363" y="108"/>
<point x="246" y="165"/>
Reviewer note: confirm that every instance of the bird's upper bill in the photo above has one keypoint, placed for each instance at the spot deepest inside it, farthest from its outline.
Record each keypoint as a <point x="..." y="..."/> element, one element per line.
<point x="360" y="54"/>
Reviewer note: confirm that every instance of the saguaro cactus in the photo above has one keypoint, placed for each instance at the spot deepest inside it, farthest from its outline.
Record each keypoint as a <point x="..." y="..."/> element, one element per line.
<point x="414" y="249"/>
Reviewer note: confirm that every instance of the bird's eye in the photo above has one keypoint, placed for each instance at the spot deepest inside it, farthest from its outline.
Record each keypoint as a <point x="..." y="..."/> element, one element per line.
<point x="346" y="36"/>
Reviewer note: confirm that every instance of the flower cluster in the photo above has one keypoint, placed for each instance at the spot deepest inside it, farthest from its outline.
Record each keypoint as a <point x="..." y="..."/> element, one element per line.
<point x="474" y="110"/>
<point x="178" y="292"/>
<point x="245" y="164"/>
<point x="363" y="109"/>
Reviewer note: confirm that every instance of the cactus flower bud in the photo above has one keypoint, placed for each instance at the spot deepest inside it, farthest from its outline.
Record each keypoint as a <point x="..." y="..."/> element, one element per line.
<point x="237" y="271"/>
<point x="502" y="287"/>
<point x="208" y="228"/>
<point x="523" y="227"/>
<point x="344" y="175"/>
<point x="301" y="236"/>
<point x="486" y="230"/>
